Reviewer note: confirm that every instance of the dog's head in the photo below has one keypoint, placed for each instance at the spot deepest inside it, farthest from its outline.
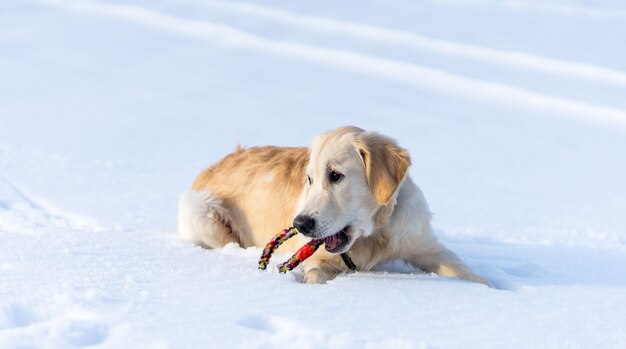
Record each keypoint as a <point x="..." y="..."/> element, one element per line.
<point x="352" y="177"/>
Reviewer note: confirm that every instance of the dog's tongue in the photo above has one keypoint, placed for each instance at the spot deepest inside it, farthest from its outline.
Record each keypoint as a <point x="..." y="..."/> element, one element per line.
<point x="333" y="241"/>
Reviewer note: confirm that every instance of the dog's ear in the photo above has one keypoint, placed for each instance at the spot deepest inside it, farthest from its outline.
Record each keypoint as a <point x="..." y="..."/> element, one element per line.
<point x="386" y="164"/>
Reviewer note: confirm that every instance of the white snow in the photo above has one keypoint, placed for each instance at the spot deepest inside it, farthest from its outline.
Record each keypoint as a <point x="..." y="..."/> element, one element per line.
<point x="513" y="111"/>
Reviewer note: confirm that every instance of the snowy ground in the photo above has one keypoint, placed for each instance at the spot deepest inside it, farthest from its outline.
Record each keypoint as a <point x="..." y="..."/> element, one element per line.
<point x="515" y="110"/>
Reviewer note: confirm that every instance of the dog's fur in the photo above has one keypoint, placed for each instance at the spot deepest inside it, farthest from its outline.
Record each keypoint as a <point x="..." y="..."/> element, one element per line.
<point x="253" y="193"/>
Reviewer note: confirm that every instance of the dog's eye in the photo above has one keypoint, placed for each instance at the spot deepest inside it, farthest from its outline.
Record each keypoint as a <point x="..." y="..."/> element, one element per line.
<point x="334" y="176"/>
<point x="308" y="178"/>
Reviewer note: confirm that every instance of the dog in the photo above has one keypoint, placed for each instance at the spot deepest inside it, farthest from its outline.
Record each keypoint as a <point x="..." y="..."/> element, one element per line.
<point x="351" y="188"/>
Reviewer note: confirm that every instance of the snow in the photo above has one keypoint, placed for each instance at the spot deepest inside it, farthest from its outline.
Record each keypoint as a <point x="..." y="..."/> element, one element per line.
<point x="514" y="114"/>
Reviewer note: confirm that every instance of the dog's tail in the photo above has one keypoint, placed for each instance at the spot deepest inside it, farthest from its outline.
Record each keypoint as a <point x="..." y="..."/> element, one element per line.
<point x="203" y="219"/>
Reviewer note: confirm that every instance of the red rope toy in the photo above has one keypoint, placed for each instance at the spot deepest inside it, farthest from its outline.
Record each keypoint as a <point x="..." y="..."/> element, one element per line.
<point x="300" y="256"/>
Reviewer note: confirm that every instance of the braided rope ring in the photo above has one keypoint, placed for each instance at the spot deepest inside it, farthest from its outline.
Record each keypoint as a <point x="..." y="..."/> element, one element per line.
<point x="300" y="256"/>
<point x="303" y="253"/>
<point x="271" y="246"/>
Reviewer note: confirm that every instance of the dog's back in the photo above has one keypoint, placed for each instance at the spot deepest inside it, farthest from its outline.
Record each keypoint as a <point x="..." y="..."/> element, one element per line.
<point x="246" y="198"/>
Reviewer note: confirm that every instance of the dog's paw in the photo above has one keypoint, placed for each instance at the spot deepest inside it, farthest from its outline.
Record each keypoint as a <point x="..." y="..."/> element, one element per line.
<point x="315" y="276"/>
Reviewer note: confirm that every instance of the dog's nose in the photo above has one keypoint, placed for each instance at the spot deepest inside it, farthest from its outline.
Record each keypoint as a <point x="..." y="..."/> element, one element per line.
<point x="304" y="224"/>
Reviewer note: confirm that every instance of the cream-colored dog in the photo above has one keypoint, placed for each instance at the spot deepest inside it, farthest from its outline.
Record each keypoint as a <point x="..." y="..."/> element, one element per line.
<point x="350" y="188"/>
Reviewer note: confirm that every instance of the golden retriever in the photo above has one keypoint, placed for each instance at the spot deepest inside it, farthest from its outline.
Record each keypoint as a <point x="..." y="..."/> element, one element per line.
<point x="350" y="188"/>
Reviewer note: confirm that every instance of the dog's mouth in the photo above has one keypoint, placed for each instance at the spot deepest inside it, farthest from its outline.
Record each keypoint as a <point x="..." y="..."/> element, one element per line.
<point x="337" y="242"/>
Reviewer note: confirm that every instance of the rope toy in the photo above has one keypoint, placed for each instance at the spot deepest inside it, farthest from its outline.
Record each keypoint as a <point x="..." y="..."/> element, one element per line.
<point x="300" y="256"/>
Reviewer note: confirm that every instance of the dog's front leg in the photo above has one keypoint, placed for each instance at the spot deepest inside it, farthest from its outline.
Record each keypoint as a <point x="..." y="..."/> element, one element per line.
<point x="438" y="259"/>
<point x="320" y="270"/>
<point x="316" y="275"/>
